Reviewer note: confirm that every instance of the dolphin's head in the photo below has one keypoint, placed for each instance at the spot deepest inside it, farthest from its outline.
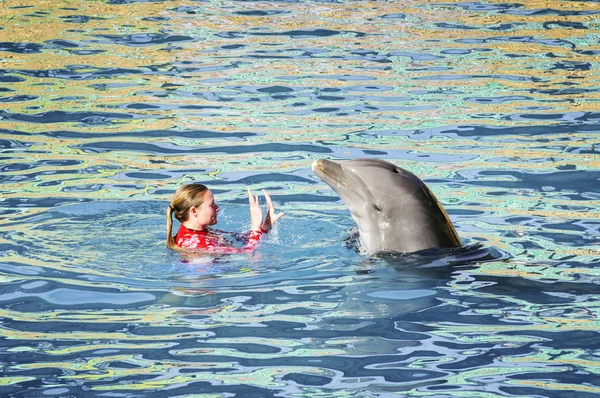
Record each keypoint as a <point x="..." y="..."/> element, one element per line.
<point x="391" y="206"/>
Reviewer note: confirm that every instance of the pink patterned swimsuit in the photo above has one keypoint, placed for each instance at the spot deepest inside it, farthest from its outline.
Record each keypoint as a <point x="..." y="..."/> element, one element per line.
<point x="211" y="242"/>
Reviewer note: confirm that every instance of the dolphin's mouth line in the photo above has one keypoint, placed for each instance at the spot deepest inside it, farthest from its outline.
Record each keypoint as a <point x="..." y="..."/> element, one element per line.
<point x="352" y="181"/>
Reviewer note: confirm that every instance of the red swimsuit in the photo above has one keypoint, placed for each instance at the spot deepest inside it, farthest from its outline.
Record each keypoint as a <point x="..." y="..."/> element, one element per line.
<point x="209" y="241"/>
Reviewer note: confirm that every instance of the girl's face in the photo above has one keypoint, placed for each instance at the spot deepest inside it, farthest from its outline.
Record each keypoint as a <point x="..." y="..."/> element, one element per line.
<point x="207" y="212"/>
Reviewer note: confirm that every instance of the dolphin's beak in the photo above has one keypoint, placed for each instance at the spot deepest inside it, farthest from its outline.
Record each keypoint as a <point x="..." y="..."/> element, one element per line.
<point x="327" y="170"/>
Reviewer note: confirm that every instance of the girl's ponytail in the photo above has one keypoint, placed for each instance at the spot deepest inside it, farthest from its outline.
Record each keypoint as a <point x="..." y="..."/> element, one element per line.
<point x="170" y="239"/>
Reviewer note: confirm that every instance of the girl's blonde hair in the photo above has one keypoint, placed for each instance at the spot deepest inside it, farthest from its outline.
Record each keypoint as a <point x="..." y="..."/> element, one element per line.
<point x="186" y="197"/>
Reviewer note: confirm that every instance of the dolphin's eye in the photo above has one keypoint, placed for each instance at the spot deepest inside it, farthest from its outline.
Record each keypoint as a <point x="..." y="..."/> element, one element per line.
<point x="377" y="207"/>
<point x="395" y="170"/>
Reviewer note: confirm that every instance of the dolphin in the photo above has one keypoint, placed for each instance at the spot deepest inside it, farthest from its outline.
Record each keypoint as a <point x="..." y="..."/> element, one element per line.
<point x="393" y="209"/>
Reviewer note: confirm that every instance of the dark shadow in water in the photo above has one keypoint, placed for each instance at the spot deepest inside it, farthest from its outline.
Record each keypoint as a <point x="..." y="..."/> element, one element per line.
<point x="436" y="266"/>
<point x="107" y="146"/>
<point x="579" y="180"/>
<point x="88" y="118"/>
<point x="21" y="48"/>
<point x="145" y="39"/>
<point x="441" y="257"/>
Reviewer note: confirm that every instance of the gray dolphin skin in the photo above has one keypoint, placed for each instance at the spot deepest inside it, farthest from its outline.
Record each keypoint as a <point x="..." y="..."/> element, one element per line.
<point x="393" y="209"/>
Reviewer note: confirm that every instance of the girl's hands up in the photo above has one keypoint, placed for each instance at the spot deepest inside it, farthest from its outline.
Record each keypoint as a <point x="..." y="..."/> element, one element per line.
<point x="256" y="213"/>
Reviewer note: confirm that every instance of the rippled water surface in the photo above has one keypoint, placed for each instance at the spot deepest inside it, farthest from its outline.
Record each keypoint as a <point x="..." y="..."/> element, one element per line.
<point x="106" y="107"/>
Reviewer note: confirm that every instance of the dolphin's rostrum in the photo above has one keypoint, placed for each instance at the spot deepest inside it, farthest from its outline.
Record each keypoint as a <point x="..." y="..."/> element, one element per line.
<point x="393" y="209"/>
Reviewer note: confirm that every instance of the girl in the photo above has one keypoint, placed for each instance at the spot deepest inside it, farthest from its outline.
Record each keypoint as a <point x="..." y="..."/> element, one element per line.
<point x="194" y="206"/>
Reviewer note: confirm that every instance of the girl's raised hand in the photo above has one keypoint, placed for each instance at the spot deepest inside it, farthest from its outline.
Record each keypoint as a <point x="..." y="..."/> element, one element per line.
<point x="272" y="216"/>
<point x="255" y="211"/>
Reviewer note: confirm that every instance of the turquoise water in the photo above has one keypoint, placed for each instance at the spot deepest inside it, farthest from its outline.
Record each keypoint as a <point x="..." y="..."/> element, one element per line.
<point x="107" y="107"/>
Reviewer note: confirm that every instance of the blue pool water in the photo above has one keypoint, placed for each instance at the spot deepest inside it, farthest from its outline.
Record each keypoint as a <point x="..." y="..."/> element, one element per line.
<point x="106" y="107"/>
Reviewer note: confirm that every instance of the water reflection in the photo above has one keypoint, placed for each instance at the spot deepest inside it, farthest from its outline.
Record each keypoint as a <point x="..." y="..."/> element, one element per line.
<point x="108" y="108"/>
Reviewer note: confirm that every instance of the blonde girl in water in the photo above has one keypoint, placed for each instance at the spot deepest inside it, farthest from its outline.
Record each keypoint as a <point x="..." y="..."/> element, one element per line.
<point x="194" y="206"/>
